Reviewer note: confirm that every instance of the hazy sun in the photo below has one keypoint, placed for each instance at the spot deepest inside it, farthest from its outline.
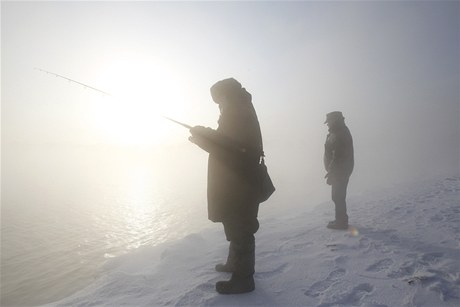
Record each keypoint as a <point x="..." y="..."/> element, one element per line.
<point x="143" y="90"/>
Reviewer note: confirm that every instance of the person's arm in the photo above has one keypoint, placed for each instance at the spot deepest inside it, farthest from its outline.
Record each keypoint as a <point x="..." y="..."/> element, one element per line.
<point x="211" y="140"/>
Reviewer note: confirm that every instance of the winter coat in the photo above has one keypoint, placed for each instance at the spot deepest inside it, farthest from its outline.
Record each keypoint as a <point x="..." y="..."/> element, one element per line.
<point x="234" y="152"/>
<point x="338" y="152"/>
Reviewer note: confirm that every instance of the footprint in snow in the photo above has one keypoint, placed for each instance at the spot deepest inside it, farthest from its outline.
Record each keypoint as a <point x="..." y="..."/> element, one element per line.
<point x="407" y="269"/>
<point x="319" y="287"/>
<point x="358" y="293"/>
<point x="268" y="274"/>
<point x="381" y="265"/>
<point x="432" y="257"/>
<point x="204" y="291"/>
<point x="341" y="259"/>
<point x="353" y="297"/>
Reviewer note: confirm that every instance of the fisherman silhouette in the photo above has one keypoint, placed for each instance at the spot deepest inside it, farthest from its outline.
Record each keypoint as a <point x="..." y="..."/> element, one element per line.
<point x="339" y="163"/>
<point x="234" y="151"/>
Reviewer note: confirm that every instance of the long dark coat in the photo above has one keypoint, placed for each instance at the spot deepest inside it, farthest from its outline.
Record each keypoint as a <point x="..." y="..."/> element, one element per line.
<point x="234" y="151"/>
<point x="338" y="152"/>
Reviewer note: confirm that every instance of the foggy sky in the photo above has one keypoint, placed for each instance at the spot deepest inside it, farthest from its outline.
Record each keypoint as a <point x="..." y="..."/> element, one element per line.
<point x="392" y="68"/>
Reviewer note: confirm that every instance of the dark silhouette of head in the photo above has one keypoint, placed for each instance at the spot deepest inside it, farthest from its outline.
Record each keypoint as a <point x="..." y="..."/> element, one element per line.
<point x="334" y="119"/>
<point x="225" y="90"/>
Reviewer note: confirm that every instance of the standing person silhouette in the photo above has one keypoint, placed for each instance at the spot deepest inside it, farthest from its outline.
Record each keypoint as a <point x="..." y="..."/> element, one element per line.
<point x="339" y="163"/>
<point x="234" y="148"/>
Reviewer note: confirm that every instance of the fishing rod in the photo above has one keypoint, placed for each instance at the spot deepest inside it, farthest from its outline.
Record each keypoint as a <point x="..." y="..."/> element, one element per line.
<point x="105" y="93"/>
<point x="231" y="146"/>
<point x="71" y="80"/>
<point x="178" y="122"/>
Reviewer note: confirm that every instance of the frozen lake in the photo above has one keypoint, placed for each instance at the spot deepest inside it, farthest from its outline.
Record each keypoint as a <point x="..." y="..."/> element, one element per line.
<point x="65" y="211"/>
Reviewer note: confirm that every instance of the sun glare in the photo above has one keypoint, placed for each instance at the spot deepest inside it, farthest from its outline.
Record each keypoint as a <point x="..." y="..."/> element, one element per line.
<point x="143" y="89"/>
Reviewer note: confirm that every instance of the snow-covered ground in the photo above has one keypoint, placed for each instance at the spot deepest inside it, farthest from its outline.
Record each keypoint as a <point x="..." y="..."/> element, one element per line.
<point x="403" y="250"/>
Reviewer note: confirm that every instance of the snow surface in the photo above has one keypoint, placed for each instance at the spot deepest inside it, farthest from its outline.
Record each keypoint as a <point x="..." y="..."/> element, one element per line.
<point x="404" y="251"/>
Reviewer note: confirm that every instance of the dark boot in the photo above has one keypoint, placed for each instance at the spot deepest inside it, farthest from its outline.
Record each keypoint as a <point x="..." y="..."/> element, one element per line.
<point x="242" y="280"/>
<point x="236" y="285"/>
<point x="229" y="266"/>
<point x="337" y="225"/>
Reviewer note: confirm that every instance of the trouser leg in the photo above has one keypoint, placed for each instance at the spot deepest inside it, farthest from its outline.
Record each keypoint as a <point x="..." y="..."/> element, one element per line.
<point x="339" y="194"/>
<point x="231" y="255"/>
<point x="244" y="263"/>
<point x="240" y="232"/>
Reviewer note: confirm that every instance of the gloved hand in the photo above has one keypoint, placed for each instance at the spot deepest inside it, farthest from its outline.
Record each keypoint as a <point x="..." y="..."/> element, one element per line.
<point x="328" y="178"/>
<point x="197" y="132"/>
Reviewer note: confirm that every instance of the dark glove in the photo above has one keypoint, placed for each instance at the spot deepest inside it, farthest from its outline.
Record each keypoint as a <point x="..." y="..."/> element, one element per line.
<point x="198" y="131"/>
<point x="328" y="178"/>
<point x="199" y="134"/>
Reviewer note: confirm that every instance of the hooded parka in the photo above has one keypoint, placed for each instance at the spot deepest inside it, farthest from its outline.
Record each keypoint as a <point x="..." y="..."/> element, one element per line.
<point x="234" y="150"/>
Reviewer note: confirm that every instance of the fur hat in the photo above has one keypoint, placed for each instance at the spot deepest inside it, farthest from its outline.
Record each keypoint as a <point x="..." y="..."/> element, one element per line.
<point x="333" y="116"/>
<point x="227" y="87"/>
